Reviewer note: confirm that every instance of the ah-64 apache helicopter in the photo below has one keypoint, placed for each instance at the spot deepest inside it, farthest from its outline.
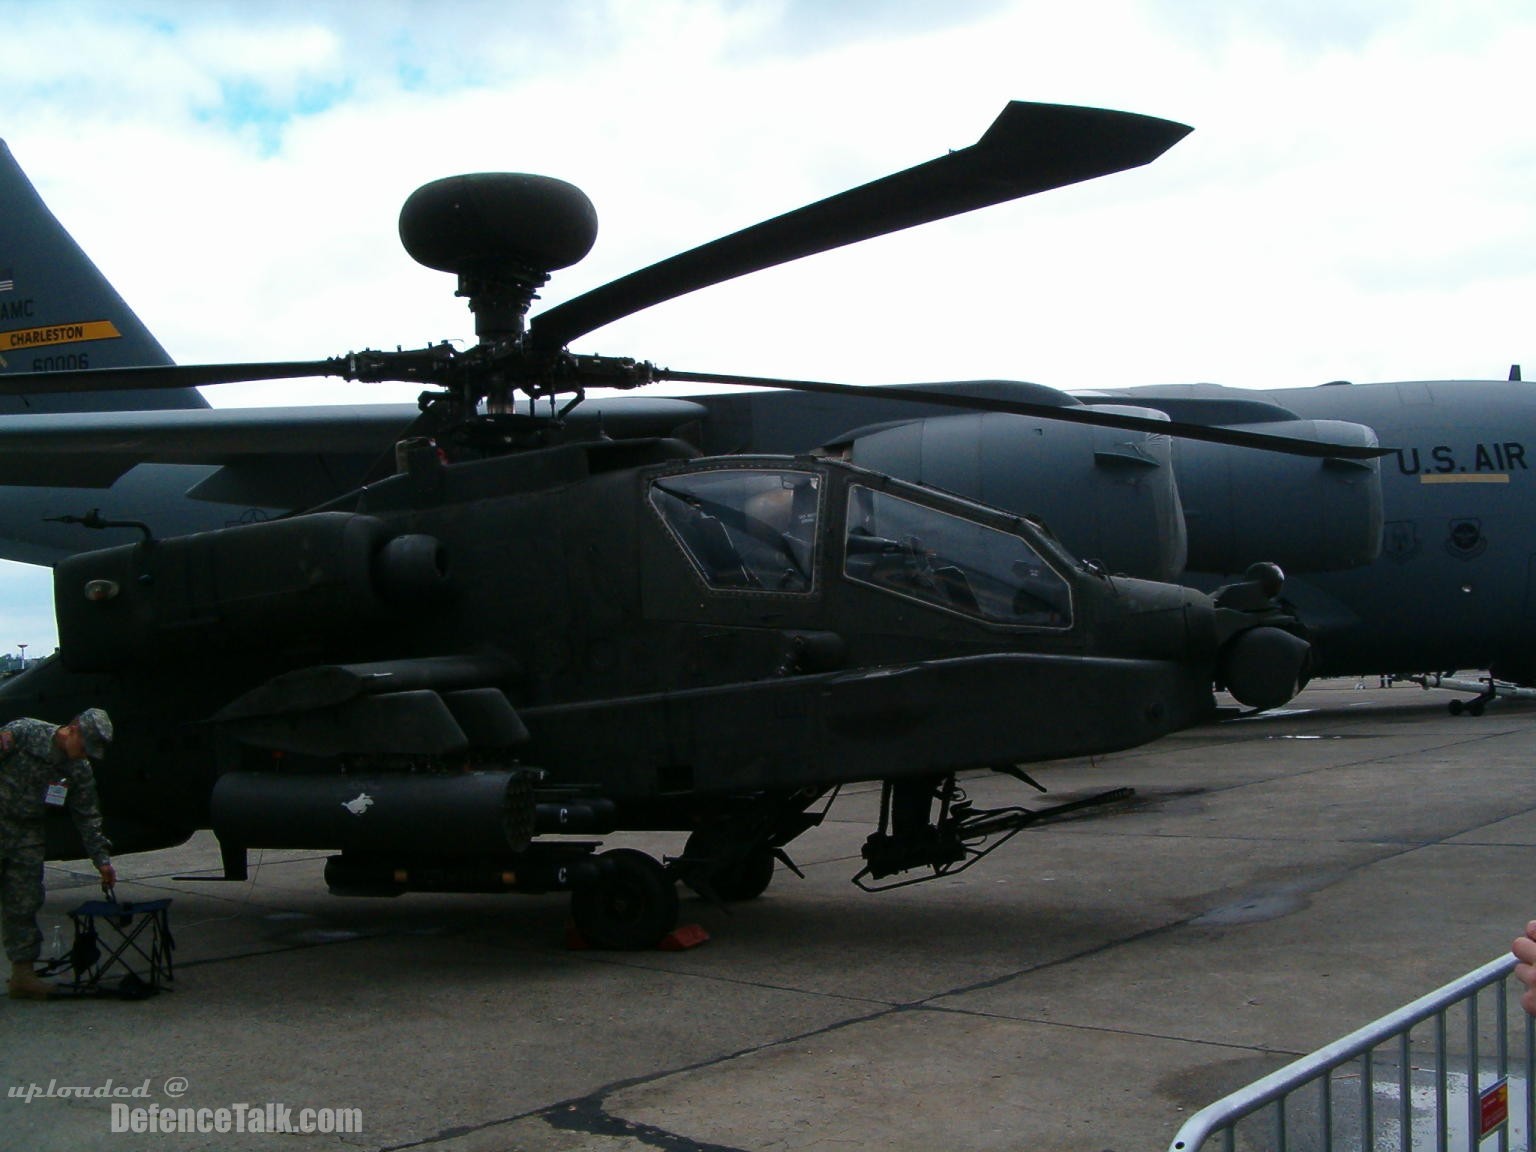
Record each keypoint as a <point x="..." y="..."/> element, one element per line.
<point x="520" y="631"/>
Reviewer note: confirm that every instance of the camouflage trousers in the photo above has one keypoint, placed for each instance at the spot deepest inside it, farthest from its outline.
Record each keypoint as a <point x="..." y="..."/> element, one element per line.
<point x="21" y="898"/>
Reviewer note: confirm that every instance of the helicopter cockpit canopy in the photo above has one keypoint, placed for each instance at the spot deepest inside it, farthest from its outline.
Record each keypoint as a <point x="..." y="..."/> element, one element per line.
<point x="755" y="529"/>
<point x="752" y="528"/>
<point x="944" y="559"/>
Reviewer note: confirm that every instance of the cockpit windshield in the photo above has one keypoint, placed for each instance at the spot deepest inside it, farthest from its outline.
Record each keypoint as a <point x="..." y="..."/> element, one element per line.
<point x="744" y="528"/>
<point x="946" y="560"/>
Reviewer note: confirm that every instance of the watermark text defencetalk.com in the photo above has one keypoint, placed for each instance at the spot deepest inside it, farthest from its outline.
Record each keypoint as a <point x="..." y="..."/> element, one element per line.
<point x="239" y="1118"/>
<point x="269" y="1117"/>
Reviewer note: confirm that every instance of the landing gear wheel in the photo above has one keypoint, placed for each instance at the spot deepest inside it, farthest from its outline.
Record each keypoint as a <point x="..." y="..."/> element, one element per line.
<point x="749" y="878"/>
<point x="739" y="876"/>
<point x="631" y="905"/>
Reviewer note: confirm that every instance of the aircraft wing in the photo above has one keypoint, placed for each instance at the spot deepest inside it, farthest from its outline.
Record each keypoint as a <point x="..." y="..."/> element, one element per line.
<point x="258" y="449"/>
<point x="93" y="449"/>
<point x="192" y="470"/>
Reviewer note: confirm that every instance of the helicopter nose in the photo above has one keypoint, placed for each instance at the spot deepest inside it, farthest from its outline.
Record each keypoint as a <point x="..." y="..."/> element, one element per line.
<point x="1265" y="667"/>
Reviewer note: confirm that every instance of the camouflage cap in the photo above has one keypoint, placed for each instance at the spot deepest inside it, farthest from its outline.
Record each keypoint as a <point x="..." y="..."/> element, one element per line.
<point x="96" y="729"/>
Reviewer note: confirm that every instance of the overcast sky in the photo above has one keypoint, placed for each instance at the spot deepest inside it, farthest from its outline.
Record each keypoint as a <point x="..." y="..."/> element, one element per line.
<point x="1355" y="201"/>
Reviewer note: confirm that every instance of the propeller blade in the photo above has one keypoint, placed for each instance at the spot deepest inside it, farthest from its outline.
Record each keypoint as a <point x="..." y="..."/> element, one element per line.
<point x="164" y="376"/>
<point x="1072" y="414"/>
<point x="1029" y="148"/>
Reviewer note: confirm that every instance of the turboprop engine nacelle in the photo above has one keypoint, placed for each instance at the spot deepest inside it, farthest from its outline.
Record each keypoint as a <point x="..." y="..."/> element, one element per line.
<point x="1304" y="514"/>
<point x="1108" y="495"/>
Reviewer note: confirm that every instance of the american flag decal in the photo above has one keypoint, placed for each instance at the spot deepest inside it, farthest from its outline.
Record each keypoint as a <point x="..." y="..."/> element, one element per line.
<point x="7" y="279"/>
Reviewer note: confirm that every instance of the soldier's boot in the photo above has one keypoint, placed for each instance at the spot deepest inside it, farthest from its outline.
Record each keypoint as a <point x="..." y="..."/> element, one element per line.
<point x="25" y="984"/>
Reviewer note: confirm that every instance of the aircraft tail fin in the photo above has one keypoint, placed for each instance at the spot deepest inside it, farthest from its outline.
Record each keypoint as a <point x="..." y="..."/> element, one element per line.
<point x="58" y="312"/>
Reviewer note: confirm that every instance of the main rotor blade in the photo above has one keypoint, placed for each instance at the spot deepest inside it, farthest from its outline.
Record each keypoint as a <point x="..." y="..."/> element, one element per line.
<point x="1072" y="414"/>
<point x="1029" y="148"/>
<point x="163" y="376"/>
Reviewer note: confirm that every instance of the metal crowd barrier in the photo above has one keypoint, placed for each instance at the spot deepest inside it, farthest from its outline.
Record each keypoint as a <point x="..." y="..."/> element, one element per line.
<point x="1453" y="1086"/>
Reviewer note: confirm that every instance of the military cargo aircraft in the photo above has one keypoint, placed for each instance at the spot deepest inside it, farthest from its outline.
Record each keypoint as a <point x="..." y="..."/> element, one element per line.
<point x="1436" y="538"/>
<point x="163" y="457"/>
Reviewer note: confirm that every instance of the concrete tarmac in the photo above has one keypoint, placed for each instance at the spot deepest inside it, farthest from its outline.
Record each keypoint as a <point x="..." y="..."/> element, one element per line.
<point x="1276" y="882"/>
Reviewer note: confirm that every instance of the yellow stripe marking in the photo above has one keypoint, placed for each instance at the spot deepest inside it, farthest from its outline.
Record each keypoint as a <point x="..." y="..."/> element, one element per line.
<point x="59" y="334"/>
<point x="1465" y="478"/>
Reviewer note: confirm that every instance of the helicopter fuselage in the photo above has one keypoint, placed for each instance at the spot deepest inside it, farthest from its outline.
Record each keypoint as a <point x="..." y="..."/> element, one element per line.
<point x="652" y="630"/>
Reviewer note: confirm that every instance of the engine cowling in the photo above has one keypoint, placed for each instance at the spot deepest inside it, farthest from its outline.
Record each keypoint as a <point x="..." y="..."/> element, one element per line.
<point x="271" y="587"/>
<point x="1305" y="514"/>
<point x="1108" y="495"/>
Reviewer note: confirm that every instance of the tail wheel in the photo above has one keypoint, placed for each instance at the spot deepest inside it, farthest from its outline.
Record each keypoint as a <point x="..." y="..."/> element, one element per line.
<point x="631" y="905"/>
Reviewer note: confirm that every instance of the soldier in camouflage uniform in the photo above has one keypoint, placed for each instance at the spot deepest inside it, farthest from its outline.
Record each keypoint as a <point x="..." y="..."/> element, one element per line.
<point x="44" y="765"/>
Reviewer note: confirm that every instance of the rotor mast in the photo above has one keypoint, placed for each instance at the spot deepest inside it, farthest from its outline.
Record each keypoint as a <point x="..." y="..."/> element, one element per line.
<point x="501" y="234"/>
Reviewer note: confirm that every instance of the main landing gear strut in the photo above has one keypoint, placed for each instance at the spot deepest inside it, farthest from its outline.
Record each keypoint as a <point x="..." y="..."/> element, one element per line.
<point x="632" y="900"/>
